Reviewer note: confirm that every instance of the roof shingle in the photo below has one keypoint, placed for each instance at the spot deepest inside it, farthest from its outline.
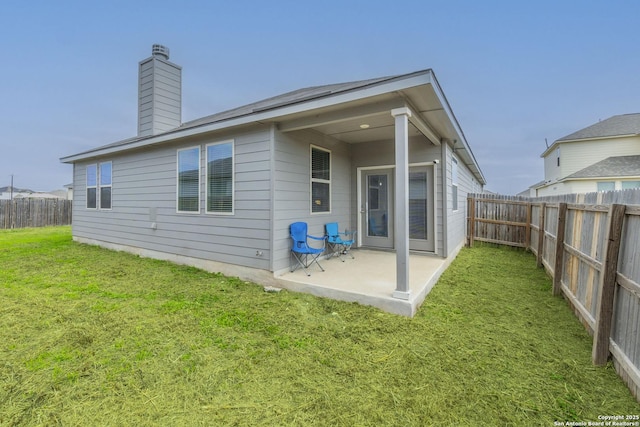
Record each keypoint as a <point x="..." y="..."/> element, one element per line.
<point x="624" y="124"/>
<point x="609" y="167"/>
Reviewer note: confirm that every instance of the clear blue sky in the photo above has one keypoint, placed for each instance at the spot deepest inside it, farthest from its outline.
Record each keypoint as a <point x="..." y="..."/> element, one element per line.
<point x="514" y="72"/>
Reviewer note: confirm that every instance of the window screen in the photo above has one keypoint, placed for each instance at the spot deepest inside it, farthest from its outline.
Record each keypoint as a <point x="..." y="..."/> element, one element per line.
<point x="189" y="180"/>
<point x="92" y="186"/>
<point x="320" y="180"/>
<point x="220" y="177"/>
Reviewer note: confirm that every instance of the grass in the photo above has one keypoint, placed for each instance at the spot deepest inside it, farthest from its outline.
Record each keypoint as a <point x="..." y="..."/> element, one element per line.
<point x="94" y="337"/>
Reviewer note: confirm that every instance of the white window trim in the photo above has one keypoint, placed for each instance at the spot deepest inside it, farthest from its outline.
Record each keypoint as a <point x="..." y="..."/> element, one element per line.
<point x="197" y="212"/>
<point x="324" y="181"/>
<point x="233" y="178"/>
<point x="87" y="186"/>
<point x="454" y="183"/>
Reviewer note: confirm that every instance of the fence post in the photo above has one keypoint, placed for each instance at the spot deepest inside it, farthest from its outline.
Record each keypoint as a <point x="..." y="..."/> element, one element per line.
<point x="540" y="257"/>
<point x="471" y="202"/>
<point x="527" y="230"/>
<point x="559" y="261"/>
<point x="607" y="284"/>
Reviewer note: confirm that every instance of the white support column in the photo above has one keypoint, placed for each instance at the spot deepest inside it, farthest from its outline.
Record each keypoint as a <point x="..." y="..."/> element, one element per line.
<point x="401" y="226"/>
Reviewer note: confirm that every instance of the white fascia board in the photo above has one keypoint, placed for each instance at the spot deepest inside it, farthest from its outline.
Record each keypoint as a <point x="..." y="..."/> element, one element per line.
<point x="267" y="115"/>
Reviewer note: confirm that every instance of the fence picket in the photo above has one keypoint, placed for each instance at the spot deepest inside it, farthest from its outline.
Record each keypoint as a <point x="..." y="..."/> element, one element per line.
<point x="21" y="213"/>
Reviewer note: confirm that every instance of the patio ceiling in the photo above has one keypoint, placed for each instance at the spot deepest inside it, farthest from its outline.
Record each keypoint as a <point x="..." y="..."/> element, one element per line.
<point x="370" y="119"/>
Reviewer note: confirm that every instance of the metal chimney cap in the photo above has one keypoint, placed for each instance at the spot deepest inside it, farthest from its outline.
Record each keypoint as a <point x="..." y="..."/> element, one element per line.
<point x="159" y="50"/>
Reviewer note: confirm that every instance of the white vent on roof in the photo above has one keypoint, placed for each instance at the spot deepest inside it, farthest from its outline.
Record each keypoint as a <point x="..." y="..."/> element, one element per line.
<point x="159" y="50"/>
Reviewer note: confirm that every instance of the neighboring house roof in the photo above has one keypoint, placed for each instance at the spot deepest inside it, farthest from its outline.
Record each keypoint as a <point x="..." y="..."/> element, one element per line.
<point x="616" y="126"/>
<point x="622" y="125"/>
<point x="611" y="166"/>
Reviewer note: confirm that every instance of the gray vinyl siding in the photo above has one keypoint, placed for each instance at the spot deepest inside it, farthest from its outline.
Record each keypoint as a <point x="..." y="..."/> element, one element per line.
<point x="292" y="184"/>
<point x="383" y="153"/>
<point x="144" y="192"/>
<point x="159" y="96"/>
<point x="457" y="220"/>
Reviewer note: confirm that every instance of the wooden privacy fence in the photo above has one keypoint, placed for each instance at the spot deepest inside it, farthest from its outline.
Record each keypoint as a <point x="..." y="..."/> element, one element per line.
<point x="591" y="249"/>
<point x="21" y="213"/>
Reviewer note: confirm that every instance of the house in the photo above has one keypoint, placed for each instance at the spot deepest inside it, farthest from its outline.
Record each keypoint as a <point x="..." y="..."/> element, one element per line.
<point x="7" y="193"/>
<point x="601" y="157"/>
<point x="384" y="156"/>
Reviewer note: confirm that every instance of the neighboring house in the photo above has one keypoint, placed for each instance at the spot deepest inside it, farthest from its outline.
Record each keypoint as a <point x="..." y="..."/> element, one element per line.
<point x="69" y="191"/>
<point x="602" y="157"/>
<point x="38" y="195"/>
<point x="7" y="194"/>
<point x="384" y="156"/>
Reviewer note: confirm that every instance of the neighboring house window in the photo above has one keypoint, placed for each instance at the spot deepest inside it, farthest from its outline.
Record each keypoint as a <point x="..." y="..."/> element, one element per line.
<point x="558" y="156"/>
<point x="220" y="177"/>
<point x="606" y="186"/>
<point x="454" y="184"/>
<point x="104" y="183"/>
<point x="189" y="180"/>
<point x="320" y="180"/>
<point x="630" y="184"/>
<point x="92" y="187"/>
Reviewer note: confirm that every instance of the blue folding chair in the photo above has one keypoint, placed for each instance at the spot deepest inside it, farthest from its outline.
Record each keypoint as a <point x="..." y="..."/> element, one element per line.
<point x="304" y="254"/>
<point x="336" y="244"/>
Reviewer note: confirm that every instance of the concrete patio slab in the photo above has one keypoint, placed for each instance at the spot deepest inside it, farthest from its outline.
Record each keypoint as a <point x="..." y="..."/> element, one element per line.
<point x="369" y="279"/>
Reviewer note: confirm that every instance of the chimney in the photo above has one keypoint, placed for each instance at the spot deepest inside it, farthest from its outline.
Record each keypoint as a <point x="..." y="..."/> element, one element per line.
<point x="159" y="93"/>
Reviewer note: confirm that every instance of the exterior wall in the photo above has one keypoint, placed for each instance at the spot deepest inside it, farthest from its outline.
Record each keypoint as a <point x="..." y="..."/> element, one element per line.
<point x="292" y="188"/>
<point x="144" y="193"/>
<point x="552" y="189"/>
<point x="552" y="171"/>
<point x="457" y="219"/>
<point x="575" y="156"/>
<point x="383" y="153"/>
<point x="583" y="186"/>
<point x="579" y="155"/>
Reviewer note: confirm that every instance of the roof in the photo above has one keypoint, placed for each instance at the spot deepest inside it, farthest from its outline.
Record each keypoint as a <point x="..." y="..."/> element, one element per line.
<point x="295" y="102"/>
<point x="285" y="99"/>
<point x="615" y="126"/>
<point x="624" y="124"/>
<point x="609" y="167"/>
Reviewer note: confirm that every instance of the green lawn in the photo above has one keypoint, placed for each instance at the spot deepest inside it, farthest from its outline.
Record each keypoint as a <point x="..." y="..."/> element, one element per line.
<point x="94" y="337"/>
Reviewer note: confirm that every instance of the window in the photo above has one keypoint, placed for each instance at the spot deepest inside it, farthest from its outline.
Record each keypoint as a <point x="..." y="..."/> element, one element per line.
<point x="220" y="177"/>
<point x="99" y="186"/>
<point x="189" y="180"/>
<point x="558" y="156"/>
<point x="630" y="184"/>
<point x="92" y="187"/>
<point x="606" y="186"/>
<point x="105" y="185"/>
<point x="454" y="184"/>
<point x="320" y="180"/>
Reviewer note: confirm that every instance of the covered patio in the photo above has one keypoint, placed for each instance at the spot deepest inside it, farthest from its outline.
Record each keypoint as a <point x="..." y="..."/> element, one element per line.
<point x="370" y="279"/>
